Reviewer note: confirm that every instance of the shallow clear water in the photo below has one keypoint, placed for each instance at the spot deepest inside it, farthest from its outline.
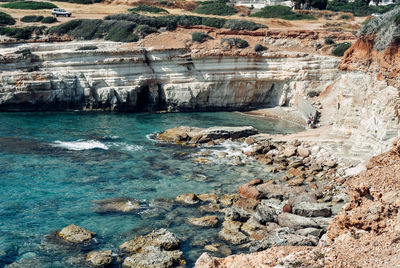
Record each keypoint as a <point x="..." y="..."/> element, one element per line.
<point x="54" y="165"/>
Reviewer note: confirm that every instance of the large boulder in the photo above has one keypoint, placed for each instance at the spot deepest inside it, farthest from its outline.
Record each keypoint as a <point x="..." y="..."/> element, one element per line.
<point x="308" y="209"/>
<point x="75" y="234"/>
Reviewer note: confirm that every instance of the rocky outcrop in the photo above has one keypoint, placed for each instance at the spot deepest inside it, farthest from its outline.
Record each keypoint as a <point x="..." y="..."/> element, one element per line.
<point x="199" y="135"/>
<point x="117" y="78"/>
<point x="122" y="205"/>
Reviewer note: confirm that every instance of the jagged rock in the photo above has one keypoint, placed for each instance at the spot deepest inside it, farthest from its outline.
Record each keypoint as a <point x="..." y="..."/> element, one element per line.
<point x="233" y="236"/>
<point x="268" y="210"/>
<point x="76" y="234"/>
<point x="154" y="257"/>
<point x="228" y="199"/>
<point x="99" y="258"/>
<point x="213" y="198"/>
<point x="117" y="205"/>
<point x="162" y="239"/>
<point x="308" y="209"/>
<point x="303" y="152"/>
<point x="189" y="199"/>
<point x="206" y="221"/>
<point x="236" y="214"/>
<point x="295" y="221"/>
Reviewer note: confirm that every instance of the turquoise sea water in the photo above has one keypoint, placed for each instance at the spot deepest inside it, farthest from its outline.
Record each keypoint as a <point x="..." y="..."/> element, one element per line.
<point x="54" y="165"/>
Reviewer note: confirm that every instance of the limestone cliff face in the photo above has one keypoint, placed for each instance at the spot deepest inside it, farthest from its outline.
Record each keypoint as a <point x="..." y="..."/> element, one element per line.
<point x="366" y="97"/>
<point x="122" y="79"/>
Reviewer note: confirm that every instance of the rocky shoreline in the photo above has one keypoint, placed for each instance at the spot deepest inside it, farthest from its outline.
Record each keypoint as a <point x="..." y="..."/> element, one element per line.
<point x="294" y="209"/>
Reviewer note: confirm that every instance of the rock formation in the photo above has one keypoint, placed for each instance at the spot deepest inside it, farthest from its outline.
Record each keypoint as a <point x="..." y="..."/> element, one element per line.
<point x="120" y="79"/>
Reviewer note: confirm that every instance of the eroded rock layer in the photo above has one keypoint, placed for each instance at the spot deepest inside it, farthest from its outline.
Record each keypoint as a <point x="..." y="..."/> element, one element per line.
<point x="122" y="79"/>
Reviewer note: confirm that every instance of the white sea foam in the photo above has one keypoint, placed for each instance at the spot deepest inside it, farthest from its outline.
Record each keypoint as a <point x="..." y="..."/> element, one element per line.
<point x="127" y="147"/>
<point x="80" y="145"/>
<point x="151" y="136"/>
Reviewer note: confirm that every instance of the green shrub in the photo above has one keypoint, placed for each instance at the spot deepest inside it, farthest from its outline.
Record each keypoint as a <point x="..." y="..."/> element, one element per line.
<point x="49" y="20"/>
<point x="118" y="31"/>
<point x="150" y="9"/>
<point x="243" y="25"/>
<point x="24" y="33"/>
<point x="358" y="8"/>
<point x="345" y="17"/>
<point x="31" y="18"/>
<point x="87" y="48"/>
<point x="213" y="22"/>
<point x="187" y="21"/>
<point x="282" y="12"/>
<point x="170" y="22"/>
<point x="217" y="7"/>
<point x="29" y="5"/>
<point x="6" y="19"/>
<point x="122" y="32"/>
<point x="200" y="37"/>
<point x="329" y="41"/>
<point x="145" y="30"/>
<point x="396" y="19"/>
<point x="340" y="49"/>
<point x="259" y="48"/>
<point x="235" y="42"/>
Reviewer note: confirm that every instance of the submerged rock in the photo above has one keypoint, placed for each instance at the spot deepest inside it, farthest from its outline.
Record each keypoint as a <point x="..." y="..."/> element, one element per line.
<point x="76" y="234"/>
<point x="123" y="205"/>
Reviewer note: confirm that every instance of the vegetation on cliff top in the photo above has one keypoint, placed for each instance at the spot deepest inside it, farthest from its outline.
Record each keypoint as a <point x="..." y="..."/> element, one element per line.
<point x="24" y="33"/>
<point x="6" y="19"/>
<point x="29" y="5"/>
<point x="385" y="29"/>
<point x="281" y="12"/>
<point x="146" y="8"/>
<point x="358" y="8"/>
<point x="217" y="7"/>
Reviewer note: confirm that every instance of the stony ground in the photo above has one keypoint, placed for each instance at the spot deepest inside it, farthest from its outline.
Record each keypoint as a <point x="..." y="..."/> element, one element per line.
<point x="364" y="234"/>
